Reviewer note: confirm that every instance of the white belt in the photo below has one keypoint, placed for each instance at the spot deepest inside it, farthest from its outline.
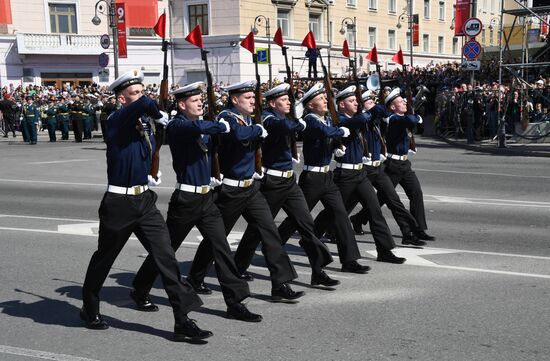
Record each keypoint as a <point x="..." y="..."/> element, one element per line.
<point x="322" y="169"/>
<point x="374" y="163"/>
<point x="131" y="191"/>
<point x="397" y="157"/>
<point x="245" y="183"/>
<point x="193" y="189"/>
<point x="349" y="166"/>
<point x="279" y="173"/>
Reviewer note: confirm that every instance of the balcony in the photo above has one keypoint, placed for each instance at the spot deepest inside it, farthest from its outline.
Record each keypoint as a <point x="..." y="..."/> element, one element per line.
<point x="59" y="44"/>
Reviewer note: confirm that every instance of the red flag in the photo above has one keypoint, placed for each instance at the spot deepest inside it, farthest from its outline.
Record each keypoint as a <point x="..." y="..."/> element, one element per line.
<point x="345" y="49"/>
<point x="160" y="27"/>
<point x="195" y="36"/>
<point x="398" y="57"/>
<point x="373" y="55"/>
<point x="248" y="42"/>
<point x="278" y="38"/>
<point x="309" y="41"/>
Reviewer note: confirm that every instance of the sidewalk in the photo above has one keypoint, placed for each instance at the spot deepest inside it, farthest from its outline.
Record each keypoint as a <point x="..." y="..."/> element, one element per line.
<point x="512" y="148"/>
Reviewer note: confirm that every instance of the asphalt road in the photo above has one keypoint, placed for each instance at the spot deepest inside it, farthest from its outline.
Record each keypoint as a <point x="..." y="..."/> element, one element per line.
<point x="480" y="292"/>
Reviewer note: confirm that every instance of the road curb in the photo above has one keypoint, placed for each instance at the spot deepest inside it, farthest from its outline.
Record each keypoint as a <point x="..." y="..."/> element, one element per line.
<point x="497" y="151"/>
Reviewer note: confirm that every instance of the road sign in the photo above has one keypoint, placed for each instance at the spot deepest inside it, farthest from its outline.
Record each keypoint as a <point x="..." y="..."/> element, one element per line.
<point x="263" y="55"/>
<point x="471" y="65"/>
<point x="472" y="49"/>
<point x="105" y="41"/>
<point x="103" y="60"/>
<point x="472" y="27"/>
<point x="103" y="75"/>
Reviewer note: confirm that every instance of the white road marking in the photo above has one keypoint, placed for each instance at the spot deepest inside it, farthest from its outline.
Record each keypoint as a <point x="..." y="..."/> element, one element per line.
<point x="45" y="218"/>
<point x="61" y="161"/>
<point x="40" y="354"/>
<point x="414" y="255"/>
<point x="79" y="228"/>
<point x="482" y="173"/>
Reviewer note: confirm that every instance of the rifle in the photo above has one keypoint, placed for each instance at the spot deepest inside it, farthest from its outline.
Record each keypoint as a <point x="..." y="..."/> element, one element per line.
<point x="359" y="98"/>
<point x="293" y="145"/>
<point x="211" y="115"/>
<point x="410" y="110"/>
<point x="381" y="99"/>
<point x="337" y="142"/>
<point x="257" y="116"/>
<point x="163" y="105"/>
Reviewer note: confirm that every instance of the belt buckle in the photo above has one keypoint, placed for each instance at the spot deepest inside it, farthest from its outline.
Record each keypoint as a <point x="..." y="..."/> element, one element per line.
<point x="137" y="190"/>
<point x="204" y="189"/>
<point x="325" y="168"/>
<point x="376" y="163"/>
<point x="404" y="157"/>
<point x="247" y="182"/>
<point x="288" y="174"/>
<point x="359" y="166"/>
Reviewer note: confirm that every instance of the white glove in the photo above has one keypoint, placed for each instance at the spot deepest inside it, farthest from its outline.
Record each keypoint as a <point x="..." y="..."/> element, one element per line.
<point x="164" y="120"/>
<point x="303" y="122"/>
<point x="365" y="160"/>
<point x="152" y="182"/>
<point x="257" y="176"/>
<point x="215" y="182"/>
<point x="339" y="152"/>
<point x="297" y="159"/>
<point x="410" y="154"/>
<point x="21" y="118"/>
<point x="226" y="123"/>
<point x="346" y="132"/>
<point x="173" y="113"/>
<point x="382" y="158"/>
<point x="420" y="120"/>
<point x="264" y="132"/>
<point x="386" y="120"/>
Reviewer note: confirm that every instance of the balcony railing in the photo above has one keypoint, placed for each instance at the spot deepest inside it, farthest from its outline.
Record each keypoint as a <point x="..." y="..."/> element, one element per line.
<point x="59" y="44"/>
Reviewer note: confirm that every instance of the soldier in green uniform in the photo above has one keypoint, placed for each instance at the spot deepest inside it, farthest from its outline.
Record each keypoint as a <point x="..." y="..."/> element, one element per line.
<point x="88" y="113"/>
<point x="63" y="118"/>
<point x="31" y="117"/>
<point x="77" y="109"/>
<point x="51" y="118"/>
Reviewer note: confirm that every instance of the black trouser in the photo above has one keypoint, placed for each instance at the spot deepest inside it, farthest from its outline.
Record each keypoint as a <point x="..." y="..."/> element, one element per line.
<point x="9" y="123"/>
<point x="400" y="172"/>
<point x="388" y="195"/>
<point x="286" y="194"/>
<point x="119" y="216"/>
<point x="52" y="124"/>
<point x="251" y="204"/>
<point x="78" y="128"/>
<point x="321" y="187"/>
<point x="185" y="211"/>
<point x="356" y="187"/>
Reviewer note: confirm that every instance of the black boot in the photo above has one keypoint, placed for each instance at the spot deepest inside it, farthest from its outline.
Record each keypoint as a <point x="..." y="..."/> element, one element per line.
<point x="285" y="292"/>
<point x="187" y="330"/>
<point x="238" y="311"/>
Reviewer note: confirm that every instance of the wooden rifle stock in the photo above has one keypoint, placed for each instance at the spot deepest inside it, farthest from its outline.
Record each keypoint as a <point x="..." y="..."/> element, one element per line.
<point x="337" y="142"/>
<point x="257" y="117"/>
<point x="163" y="105"/>
<point x="211" y="115"/>
<point x="292" y="98"/>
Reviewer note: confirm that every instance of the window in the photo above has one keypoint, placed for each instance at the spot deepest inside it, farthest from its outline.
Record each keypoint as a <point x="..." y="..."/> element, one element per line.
<point x="372" y="36"/>
<point x="440" y="45"/>
<point x="350" y="34"/>
<point x="425" y="43"/>
<point x="491" y="36"/>
<point x="392" y="6"/>
<point x="141" y="32"/>
<point x="373" y="4"/>
<point x="63" y="18"/>
<point x="391" y="39"/>
<point x="426" y="9"/>
<point x="198" y="15"/>
<point x="408" y="41"/>
<point x="283" y="21"/>
<point x="455" y="46"/>
<point x="351" y="3"/>
<point x="442" y="10"/>
<point x="483" y="36"/>
<point x="315" y="25"/>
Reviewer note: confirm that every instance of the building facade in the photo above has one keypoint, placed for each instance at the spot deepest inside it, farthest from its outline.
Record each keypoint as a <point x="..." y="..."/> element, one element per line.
<point x="55" y="41"/>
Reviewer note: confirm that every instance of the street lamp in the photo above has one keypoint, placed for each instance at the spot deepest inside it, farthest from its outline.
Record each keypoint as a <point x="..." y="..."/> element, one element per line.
<point x="345" y="25"/>
<point x="407" y="14"/>
<point x="112" y="23"/>
<point x="258" y="21"/>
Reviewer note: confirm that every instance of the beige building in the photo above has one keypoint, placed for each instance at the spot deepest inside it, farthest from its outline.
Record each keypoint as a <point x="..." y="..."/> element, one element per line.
<point x="55" y="41"/>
